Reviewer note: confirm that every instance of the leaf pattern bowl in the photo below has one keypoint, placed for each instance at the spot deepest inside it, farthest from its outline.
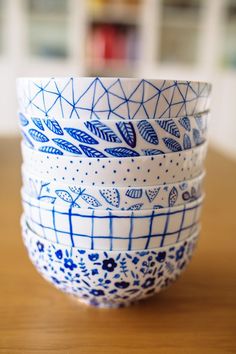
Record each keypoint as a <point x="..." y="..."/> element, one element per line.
<point x="111" y="98"/>
<point x="114" y="138"/>
<point x="108" y="278"/>
<point x="122" y="230"/>
<point x="120" y="172"/>
<point x="113" y="198"/>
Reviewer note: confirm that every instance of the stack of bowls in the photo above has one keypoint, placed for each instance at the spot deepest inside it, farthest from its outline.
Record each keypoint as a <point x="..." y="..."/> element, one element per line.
<point x="112" y="182"/>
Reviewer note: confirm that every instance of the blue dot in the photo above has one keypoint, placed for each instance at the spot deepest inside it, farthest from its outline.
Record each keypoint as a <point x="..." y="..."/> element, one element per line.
<point x="63" y="178"/>
<point x="124" y="179"/>
<point x="90" y="163"/>
<point x="73" y="178"/>
<point x="148" y="170"/>
<point x="93" y="184"/>
<point x="102" y="182"/>
<point x="114" y="171"/>
<point x="113" y="182"/>
<point x="65" y="168"/>
<point x="138" y="168"/>
<point x="96" y="172"/>
<point x="71" y="161"/>
<point x="135" y="179"/>
<point x="166" y="171"/>
<point x="132" y="160"/>
<point x="152" y="158"/>
<point x="86" y="173"/>
<point x="119" y="162"/>
<point x="103" y="166"/>
<point x="128" y="170"/>
<point x="144" y="180"/>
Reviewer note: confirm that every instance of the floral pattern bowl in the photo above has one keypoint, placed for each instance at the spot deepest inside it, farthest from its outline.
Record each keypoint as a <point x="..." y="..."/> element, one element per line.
<point x="111" y="98"/>
<point x="108" y="278"/>
<point x="114" y="138"/>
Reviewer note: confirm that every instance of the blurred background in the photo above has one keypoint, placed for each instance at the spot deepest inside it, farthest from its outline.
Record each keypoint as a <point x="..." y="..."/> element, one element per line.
<point x="175" y="39"/>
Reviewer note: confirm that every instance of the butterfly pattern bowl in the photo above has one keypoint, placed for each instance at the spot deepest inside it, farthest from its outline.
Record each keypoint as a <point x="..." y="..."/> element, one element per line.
<point x="112" y="230"/>
<point x="111" y="98"/>
<point x="112" y="198"/>
<point x="108" y="278"/>
<point x="123" y="172"/>
<point x="114" y="138"/>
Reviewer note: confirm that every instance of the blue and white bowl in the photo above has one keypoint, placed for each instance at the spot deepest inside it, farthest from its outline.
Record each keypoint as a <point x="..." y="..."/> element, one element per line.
<point x="110" y="278"/>
<point x="113" y="198"/>
<point x="111" y="98"/>
<point x="119" y="172"/>
<point x="114" y="138"/>
<point x="112" y="229"/>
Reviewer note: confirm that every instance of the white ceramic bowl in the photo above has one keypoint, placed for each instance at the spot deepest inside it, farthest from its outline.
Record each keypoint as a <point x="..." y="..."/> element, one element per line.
<point x="108" y="279"/>
<point x="111" y="98"/>
<point x="111" y="198"/>
<point x="112" y="229"/>
<point x="123" y="172"/>
<point x="114" y="138"/>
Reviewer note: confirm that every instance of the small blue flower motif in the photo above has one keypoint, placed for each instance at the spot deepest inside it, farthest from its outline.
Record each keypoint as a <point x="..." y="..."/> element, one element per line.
<point x="59" y="254"/>
<point x="179" y="253"/>
<point x="68" y="263"/>
<point x="109" y="264"/>
<point x="148" y="283"/>
<point x="40" y="246"/>
<point x="93" y="257"/>
<point x="161" y="257"/>
<point x="94" y="271"/>
<point x="135" y="260"/>
<point x="97" y="292"/>
<point x="122" y="284"/>
<point x="136" y="282"/>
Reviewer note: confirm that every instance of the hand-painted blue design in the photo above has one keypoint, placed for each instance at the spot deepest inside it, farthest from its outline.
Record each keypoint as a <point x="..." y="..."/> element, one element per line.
<point x="67" y="146"/>
<point x="89" y="199"/>
<point x="187" y="142"/>
<point x="150" y="152"/>
<point x="64" y="195"/>
<point x="81" y="136"/>
<point x="169" y="126"/>
<point x="50" y="150"/>
<point x="112" y="196"/>
<point x="23" y="120"/>
<point x="172" y="144"/>
<point x="27" y="140"/>
<point x="91" y="152"/>
<point x="127" y="132"/>
<point x="185" y="122"/>
<point x="54" y="126"/>
<point x="38" y="136"/>
<point x="50" y="200"/>
<point x="137" y="206"/>
<point x="37" y="122"/>
<point x="173" y="196"/>
<point x="147" y="132"/>
<point x="199" y="122"/>
<point x="152" y="193"/>
<point x="134" y="193"/>
<point x="102" y="131"/>
<point x="197" y="137"/>
<point x="121" y="152"/>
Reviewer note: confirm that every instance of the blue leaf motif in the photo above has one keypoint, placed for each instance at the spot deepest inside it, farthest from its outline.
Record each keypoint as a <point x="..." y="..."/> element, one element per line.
<point x="150" y="152"/>
<point x="147" y="132"/>
<point x="37" y="122"/>
<point x="121" y="152"/>
<point x="38" y="136"/>
<point x="127" y="132"/>
<point x="185" y="122"/>
<point x="81" y="136"/>
<point x="169" y="126"/>
<point x="91" y="152"/>
<point x="137" y="206"/>
<point x="199" y="121"/>
<point x="152" y="193"/>
<point x="102" y="131"/>
<point x="27" y="140"/>
<point x="50" y="150"/>
<point x="64" y="195"/>
<point x="197" y="137"/>
<point x="89" y="199"/>
<point x="23" y="120"/>
<point x="173" y="197"/>
<point x="67" y="146"/>
<point x="172" y="144"/>
<point x="54" y="126"/>
<point x="111" y="196"/>
<point x="187" y="142"/>
<point x="134" y="193"/>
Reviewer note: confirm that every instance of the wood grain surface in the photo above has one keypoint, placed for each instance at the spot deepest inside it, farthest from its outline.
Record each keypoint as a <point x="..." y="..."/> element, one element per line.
<point x="197" y="315"/>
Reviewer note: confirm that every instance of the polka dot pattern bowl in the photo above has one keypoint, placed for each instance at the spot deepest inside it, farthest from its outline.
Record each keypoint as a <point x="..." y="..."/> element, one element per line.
<point x="112" y="230"/>
<point x="135" y="171"/>
<point x="97" y="139"/>
<point x="108" y="279"/>
<point x="113" y="198"/>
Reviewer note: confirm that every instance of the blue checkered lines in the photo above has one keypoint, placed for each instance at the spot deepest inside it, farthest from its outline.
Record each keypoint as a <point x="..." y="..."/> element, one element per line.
<point x="157" y="228"/>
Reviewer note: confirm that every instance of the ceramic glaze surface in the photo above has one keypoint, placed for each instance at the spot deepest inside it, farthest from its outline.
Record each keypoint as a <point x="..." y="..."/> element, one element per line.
<point x="108" y="279"/>
<point x="128" y="171"/>
<point x="111" y="98"/>
<point x="99" y="139"/>
<point x="112" y="230"/>
<point x="111" y="198"/>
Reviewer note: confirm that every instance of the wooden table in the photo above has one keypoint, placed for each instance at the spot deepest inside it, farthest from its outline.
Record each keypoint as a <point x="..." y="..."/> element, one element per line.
<point x="196" y="315"/>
